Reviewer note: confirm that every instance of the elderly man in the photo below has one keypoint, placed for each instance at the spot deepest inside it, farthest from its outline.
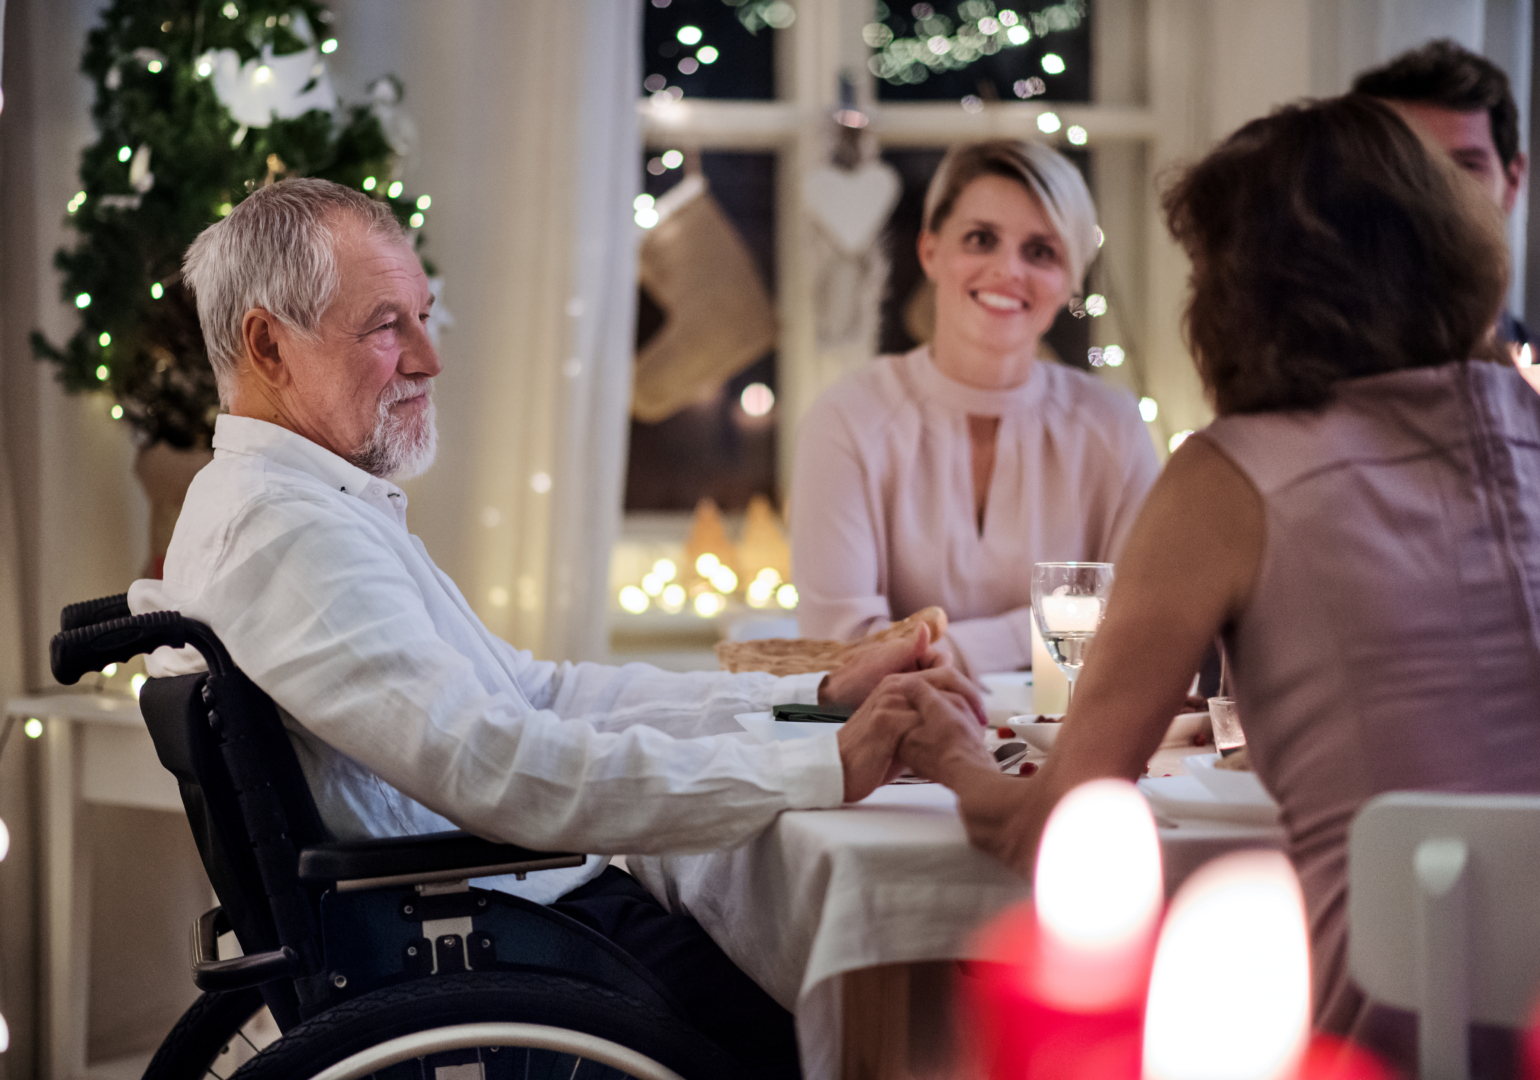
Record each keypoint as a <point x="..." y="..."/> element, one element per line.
<point x="407" y="714"/>
<point x="1462" y="101"/>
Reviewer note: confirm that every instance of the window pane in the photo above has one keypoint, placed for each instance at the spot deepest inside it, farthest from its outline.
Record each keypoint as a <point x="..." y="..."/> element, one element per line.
<point x="716" y="447"/>
<point x="903" y="320"/>
<point x="977" y="48"/>
<point x="712" y="48"/>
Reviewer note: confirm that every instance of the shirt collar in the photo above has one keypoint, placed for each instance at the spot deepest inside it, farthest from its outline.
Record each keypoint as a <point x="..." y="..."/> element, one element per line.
<point x="974" y="400"/>
<point x="246" y="435"/>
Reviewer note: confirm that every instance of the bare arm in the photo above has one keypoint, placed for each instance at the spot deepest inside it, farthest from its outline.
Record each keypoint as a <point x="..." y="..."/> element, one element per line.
<point x="1186" y="570"/>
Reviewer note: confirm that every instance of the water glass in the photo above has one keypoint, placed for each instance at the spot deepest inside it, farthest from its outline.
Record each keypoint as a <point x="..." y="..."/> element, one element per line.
<point x="1226" y="719"/>
<point x="1068" y="602"/>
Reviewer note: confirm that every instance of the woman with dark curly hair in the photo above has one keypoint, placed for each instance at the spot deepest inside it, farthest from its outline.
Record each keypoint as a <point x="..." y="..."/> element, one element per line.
<point x="1361" y="523"/>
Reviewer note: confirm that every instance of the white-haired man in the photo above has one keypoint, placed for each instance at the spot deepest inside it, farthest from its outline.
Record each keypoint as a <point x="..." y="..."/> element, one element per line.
<point x="407" y="714"/>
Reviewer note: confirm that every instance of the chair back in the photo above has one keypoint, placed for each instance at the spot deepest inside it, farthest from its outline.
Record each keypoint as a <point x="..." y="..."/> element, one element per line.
<point x="1444" y="913"/>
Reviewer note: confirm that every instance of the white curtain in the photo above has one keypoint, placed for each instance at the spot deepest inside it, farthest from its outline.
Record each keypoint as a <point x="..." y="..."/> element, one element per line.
<point x="528" y="143"/>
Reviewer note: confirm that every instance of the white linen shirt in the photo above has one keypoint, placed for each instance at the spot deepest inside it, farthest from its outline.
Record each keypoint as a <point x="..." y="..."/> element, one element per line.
<point x="409" y="716"/>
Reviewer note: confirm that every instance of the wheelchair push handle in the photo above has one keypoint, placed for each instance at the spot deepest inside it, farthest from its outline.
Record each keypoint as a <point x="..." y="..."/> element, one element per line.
<point x="91" y="612"/>
<point x="73" y="653"/>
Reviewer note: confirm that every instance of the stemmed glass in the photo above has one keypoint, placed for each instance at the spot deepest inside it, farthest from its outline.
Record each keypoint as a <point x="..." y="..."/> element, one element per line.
<point x="1068" y="601"/>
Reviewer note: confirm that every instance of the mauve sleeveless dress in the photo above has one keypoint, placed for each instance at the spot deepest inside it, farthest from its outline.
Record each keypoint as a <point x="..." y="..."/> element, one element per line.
<point x="1393" y="638"/>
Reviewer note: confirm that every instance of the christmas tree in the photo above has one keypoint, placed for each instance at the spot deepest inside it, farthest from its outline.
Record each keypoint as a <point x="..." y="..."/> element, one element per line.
<point x="198" y="103"/>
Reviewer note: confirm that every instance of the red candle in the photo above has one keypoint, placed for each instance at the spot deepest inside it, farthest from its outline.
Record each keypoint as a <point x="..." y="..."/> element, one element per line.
<point x="1059" y="993"/>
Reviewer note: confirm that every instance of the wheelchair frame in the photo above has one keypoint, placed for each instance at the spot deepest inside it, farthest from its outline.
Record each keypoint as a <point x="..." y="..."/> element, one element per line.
<point x="323" y="922"/>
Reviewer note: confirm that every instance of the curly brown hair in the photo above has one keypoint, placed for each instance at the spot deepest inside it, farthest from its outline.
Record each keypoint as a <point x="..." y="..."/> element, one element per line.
<point x="1327" y="243"/>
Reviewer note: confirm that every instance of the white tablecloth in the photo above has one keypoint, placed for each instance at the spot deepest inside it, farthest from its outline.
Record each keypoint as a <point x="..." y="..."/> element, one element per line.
<point x="889" y="880"/>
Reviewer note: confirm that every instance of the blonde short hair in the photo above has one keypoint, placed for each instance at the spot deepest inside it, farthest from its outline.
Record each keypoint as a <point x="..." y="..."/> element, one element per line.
<point x="1051" y="178"/>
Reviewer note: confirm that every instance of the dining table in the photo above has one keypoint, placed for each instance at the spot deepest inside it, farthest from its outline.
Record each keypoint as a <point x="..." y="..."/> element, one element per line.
<point x="855" y="918"/>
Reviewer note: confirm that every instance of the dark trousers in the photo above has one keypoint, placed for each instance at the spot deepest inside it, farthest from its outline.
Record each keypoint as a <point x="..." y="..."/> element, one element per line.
<point x="720" y="1001"/>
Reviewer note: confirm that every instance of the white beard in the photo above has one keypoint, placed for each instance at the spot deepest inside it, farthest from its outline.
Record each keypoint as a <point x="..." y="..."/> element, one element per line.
<point x="399" y="447"/>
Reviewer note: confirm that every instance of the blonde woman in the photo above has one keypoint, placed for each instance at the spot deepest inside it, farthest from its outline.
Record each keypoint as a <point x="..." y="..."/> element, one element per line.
<point x="941" y="475"/>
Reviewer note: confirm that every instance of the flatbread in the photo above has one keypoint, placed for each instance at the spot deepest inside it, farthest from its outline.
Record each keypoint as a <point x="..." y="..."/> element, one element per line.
<point x="797" y="656"/>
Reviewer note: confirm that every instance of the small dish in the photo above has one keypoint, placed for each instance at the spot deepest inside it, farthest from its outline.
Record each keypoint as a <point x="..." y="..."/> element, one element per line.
<point x="1185" y="727"/>
<point x="1039" y="736"/>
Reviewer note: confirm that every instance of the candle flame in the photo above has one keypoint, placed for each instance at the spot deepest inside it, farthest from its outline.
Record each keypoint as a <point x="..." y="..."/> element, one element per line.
<point x="1230" y="992"/>
<point x="1098" y="894"/>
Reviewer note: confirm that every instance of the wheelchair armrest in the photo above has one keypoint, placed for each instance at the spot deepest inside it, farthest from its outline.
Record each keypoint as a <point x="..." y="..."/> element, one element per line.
<point x="412" y="860"/>
<point x="212" y="973"/>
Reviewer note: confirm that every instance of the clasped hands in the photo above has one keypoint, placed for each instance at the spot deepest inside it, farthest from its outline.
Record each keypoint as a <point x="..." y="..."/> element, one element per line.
<point x="915" y="709"/>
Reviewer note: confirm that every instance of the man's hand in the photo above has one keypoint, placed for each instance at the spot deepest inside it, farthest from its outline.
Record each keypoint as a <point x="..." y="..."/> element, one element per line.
<point x="947" y="741"/>
<point x="870" y="739"/>
<point x="868" y="664"/>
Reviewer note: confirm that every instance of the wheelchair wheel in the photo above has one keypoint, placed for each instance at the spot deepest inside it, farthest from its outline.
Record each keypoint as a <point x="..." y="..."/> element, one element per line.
<point x="492" y="1026"/>
<point x="214" y="1037"/>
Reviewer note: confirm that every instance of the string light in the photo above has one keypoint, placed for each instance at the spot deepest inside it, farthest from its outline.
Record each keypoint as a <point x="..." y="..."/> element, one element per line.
<point x="110" y="670"/>
<point x="786" y="596"/>
<point x="757" y="399"/>
<point x="723" y="580"/>
<point x="369" y="183"/>
<point x="424" y="201"/>
<point x="153" y="67"/>
<point x="709" y="605"/>
<point x="540" y="483"/>
<point x="1053" y="63"/>
<point x="263" y="74"/>
<point x="707" y="55"/>
<point x="1018" y="35"/>
<point x="665" y="569"/>
<point x="33" y="728"/>
<point x="415" y="221"/>
<point x="673" y="598"/>
<point x="652" y="584"/>
<point x="136" y="684"/>
<point x="329" y="46"/>
<point x="224" y="209"/>
<point x="395" y="189"/>
<point x="1101" y="237"/>
<point x="102" y="371"/>
<point x="124" y="153"/>
<point x="205" y="69"/>
<point x="104" y="340"/>
<point x="1048" y="123"/>
<point x="1096" y="305"/>
<point x="634" y="600"/>
<point x="689" y="35"/>
<point x="707" y="565"/>
<point x="1077" y="135"/>
<point x="157" y="291"/>
<point x="1148" y="410"/>
<point x="83" y="300"/>
<point x="672" y="159"/>
<point x="1114" y="356"/>
<point x="1178" y="439"/>
<point x="117" y="412"/>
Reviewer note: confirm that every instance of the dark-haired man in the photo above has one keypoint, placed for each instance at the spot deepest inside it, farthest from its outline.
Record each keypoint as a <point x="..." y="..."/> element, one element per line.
<point x="1462" y="101"/>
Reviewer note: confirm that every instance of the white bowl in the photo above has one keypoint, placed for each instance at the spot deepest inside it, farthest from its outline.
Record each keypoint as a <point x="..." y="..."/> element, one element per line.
<point x="1038" y="736"/>
<point x="1227" y="785"/>
<point x="1184" y="727"/>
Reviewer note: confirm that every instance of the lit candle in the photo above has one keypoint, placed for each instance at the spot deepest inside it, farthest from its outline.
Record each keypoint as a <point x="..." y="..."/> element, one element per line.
<point x="1230" y="992"/>
<point x="1050" y="686"/>
<point x="1063" y="996"/>
<point x="1072" y="612"/>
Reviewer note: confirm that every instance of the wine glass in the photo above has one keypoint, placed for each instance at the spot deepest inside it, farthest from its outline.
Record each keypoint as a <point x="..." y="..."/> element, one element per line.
<point x="1068" y="601"/>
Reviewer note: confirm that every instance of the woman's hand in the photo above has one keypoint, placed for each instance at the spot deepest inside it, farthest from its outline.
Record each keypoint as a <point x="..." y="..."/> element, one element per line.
<point x="868" y="663"/>
<point x="869" y="741"/>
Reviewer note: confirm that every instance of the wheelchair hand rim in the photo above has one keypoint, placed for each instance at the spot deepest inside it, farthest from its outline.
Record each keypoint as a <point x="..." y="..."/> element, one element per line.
<point x="469" y="1036"/>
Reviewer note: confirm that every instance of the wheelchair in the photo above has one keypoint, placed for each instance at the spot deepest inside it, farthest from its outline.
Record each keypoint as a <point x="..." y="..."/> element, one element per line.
<point x="372" y="958"/>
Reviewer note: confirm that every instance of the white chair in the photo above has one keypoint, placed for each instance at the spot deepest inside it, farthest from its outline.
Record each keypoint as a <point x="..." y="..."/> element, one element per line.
<point x="1444" y="914"/>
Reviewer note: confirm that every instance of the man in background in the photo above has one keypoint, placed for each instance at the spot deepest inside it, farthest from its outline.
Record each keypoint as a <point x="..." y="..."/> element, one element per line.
<point x="1462" y="101"/>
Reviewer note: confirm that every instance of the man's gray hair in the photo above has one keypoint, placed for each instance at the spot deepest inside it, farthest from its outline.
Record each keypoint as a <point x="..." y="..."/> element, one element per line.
<point x="275" y="251"/>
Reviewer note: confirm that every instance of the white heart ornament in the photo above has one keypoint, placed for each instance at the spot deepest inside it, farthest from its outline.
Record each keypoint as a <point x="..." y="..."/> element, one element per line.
<point x="852" y="206"/>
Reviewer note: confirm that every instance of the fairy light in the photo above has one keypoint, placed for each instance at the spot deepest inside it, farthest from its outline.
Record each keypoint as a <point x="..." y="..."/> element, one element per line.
<point x="329" y="46"/>
<point x="652" y="584"/>
<point x="1148" y="410"/>
<point x="102" y="371"/>
<point x="104" y="340"/>
<point x="1178" y="439"/>
<point x="665" y="569"/>
<point x="33" y="728"/>
<point x="153" y="67"/>
<point x="263" y="74"/>
<point x="1017" y="35"/>
<point x="707" y="565"/>
<point x="689" y="35"/>
<point x="124" y="153"/>
<point x="395" y="189"/>
<point x="723" y="580"/>
<point x="136" y="684"/>
<point x="540" y="483"/>
<point x="157" y="290"/>
<point x="708" y="605"/>
<point x="757" y="399"/>
<point x="672" y="159"/>
<point x="110" y="670"/>
<point x="424" y="201"/>
<point x="673" y="598"/>
<point x="116" y="412"/>
<point x="707" y="55"/>
<point x="1077" y="135"/>
<point x="369" y="183"/>
<point x="1048" y="123"/>
<point x="83" y="300"/>
<point x="786" y="596"/>
<point x="415" y="221"/>
<point x="205" y="69"/>
<point x="1053" y="63"/>
<point x="634" y="600"/>
<point x="1114" y="356"/>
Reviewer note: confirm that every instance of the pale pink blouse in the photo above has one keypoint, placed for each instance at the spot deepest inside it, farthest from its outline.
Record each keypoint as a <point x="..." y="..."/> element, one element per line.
<point x="882" y="509"/>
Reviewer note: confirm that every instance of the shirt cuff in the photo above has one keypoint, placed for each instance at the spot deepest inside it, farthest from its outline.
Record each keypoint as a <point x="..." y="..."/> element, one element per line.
<point x="814" y="777"/>
<point x="796" y="689"/>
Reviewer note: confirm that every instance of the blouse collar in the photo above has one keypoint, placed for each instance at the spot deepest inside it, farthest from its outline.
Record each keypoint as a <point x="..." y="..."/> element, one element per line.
<point x="951" y="394"/>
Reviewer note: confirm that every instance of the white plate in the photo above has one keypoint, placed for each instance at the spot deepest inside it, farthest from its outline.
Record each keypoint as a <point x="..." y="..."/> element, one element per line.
<point x="1182" y="797"/>
<point x="1041" y="736"/>
<point x="766" y="728"/>
<point x="1226" y="785"/>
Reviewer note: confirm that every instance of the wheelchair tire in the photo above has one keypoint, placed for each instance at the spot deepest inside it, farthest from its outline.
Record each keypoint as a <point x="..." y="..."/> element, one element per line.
<point x="441" y="1015"/>
<point x="202" y="1034"/>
